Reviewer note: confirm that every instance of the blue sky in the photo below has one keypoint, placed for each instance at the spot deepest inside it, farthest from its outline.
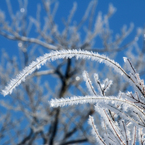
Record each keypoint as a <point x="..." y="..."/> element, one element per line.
<point x="128" y="11"/>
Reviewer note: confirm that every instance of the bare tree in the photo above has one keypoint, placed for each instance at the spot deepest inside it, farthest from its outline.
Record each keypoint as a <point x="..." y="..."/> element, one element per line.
<point x="26" y="116"/>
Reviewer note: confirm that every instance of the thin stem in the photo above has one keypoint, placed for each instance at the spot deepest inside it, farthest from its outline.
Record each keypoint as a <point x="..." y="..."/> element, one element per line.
<point x="134" y="135"/>
<point x="114" y="128"/>
<point x="125" y="132"/>
<point x="94" y="128"/>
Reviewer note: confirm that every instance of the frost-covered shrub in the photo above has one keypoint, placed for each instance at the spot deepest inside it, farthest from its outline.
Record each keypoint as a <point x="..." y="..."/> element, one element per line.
<point x="129" y="106"/>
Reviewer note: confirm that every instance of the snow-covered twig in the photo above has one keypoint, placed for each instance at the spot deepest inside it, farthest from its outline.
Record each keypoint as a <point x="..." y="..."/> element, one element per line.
<point x="59" y="55"/>
<point x="95" y="131"/>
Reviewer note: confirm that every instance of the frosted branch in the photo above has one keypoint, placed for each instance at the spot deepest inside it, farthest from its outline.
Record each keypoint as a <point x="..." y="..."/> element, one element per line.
<point x="115" y="132"/>
<point x="89" y="83"/>
<point x="61" y="55"/>
<point x="89" y="99"/>
<point x="95" y="131"/>
<point x="31" y="40"/>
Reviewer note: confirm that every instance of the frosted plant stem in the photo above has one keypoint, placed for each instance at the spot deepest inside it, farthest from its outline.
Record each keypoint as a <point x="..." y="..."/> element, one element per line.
<point x="134" y="135"/>
<point x="114" y="128"/>
<point x="61" y="55"/>
<point x="89" y="83"/>
<point x="125" y="132"/>
<point x="131" y="119"/>
<point x="89" y="99"/>
<point x="91" y="122"/>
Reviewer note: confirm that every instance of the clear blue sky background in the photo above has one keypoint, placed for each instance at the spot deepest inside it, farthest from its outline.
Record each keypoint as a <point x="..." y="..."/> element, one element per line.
<point x="128" y="11"/>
